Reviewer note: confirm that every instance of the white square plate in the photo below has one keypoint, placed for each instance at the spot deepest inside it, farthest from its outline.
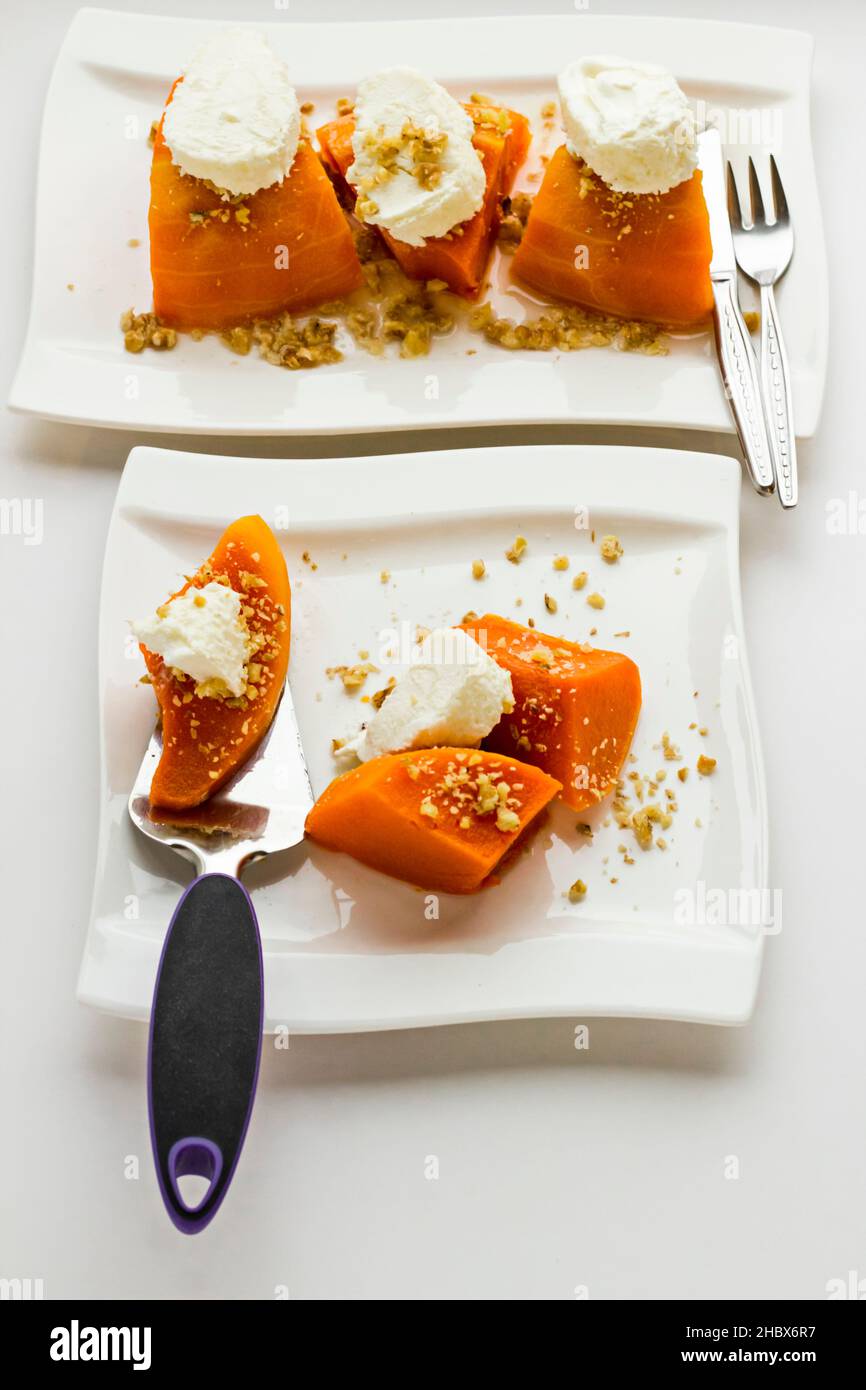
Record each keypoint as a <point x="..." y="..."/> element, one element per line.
<point x="111" y="80"/>
<point x="347" y="948"/>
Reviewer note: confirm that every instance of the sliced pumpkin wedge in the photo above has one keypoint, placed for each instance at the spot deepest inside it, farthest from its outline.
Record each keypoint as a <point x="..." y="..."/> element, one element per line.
<point x="575" y="706"/>
<point x="441" y="818"/>
<point x="206" y="738"/>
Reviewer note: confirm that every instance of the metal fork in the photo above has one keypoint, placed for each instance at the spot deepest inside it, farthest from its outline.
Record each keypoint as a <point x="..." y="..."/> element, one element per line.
<point x="764" y="251"/>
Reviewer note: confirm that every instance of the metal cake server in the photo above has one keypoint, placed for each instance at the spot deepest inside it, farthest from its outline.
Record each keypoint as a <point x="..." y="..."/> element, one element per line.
<point x="208" y="1004"/>
<point x="737" y="359"/>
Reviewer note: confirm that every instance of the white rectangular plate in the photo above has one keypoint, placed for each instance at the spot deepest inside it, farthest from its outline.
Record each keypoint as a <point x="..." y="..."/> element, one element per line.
<point x="110" y="82"/>
<point x="347" y="948"/>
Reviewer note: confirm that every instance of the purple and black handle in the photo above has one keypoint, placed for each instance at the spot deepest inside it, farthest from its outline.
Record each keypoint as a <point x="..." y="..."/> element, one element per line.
<point x="205" y="1043"/>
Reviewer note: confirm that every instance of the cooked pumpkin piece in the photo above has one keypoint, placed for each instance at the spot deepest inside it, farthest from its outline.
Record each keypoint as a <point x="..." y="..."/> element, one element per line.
<point x="218" y="263"/>
<point x="207" y="737"/>
<point x="459" y="258"/>
<point x="575" y="706"/>
<point x="635" y="256"/>
<point x="441" y="818"/>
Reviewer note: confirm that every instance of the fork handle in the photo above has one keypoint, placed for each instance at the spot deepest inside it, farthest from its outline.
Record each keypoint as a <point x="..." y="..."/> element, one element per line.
<point x="205" y="1043"/>
<point x="741" y="377"/>
<point x="776" y="381"/>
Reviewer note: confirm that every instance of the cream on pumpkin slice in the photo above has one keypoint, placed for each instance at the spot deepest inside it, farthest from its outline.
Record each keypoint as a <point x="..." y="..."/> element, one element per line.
<point x="210" y="728"/>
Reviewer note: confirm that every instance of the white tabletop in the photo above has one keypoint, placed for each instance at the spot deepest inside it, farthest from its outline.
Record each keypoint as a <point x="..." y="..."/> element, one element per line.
<point x="559" y="1169"/>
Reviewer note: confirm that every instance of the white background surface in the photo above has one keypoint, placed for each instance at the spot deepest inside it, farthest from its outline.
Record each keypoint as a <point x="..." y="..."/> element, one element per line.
<point x="558" y="1167"/>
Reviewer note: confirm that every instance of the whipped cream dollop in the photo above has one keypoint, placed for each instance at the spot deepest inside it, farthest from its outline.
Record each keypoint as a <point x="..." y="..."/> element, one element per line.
<point x="203" y="634"/>
<point x="451" y="695"/>
<point x="417" y="173"/>
<point x="630" y="122"/>
<point x="235" y="118"/>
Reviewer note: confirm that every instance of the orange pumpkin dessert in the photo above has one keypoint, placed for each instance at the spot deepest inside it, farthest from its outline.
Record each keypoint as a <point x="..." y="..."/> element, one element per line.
<point x="440" y="818"/>
<point x="619" y="225"/>
<point x="575" y="706"/>
<point x="459" y="258"/>
<point x="216" y="266"/>
<point x="244" y="223"/>
<point x="634" y="255"/>
<point x="230" y="625"/>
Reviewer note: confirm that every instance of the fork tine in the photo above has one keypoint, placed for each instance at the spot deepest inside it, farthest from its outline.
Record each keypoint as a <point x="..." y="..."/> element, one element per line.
<point x="735" y="216"/>
<point x="758" y="216"/>
<point x="780" y="202"/>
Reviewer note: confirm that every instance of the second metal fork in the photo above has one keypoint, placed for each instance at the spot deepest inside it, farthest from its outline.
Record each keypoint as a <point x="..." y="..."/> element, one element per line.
<point x="764" y="251"/>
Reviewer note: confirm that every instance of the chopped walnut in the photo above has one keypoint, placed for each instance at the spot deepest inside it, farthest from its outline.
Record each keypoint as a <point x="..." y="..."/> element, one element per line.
<point x="567" y="328"/>
<point x="422" y="149"/>
<point x="489" y="116"/>
<point x="401" y="310"/>
<point x="146" y="330"/>
<point x="466" y="790"/>
<point x="514" y="214"/>
<point x="296" y="346"/>
<point x="642" y="823"/>
<point x="611" y="549"/>
<point x="671" y="752"/>
<point x="239" y="340"/>
<point x="353" y="677"/>
<point x="542" y="656"/>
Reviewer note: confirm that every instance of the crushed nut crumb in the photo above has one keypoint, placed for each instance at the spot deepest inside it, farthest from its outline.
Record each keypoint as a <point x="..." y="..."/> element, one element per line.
<point x="513" y="217"/>
<point x="671" y="752"/>
<point x="284" y="343"/>
<point x="146" y="331"/>
<point x="567" y="328"/>
<point x="353" y="677"/>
